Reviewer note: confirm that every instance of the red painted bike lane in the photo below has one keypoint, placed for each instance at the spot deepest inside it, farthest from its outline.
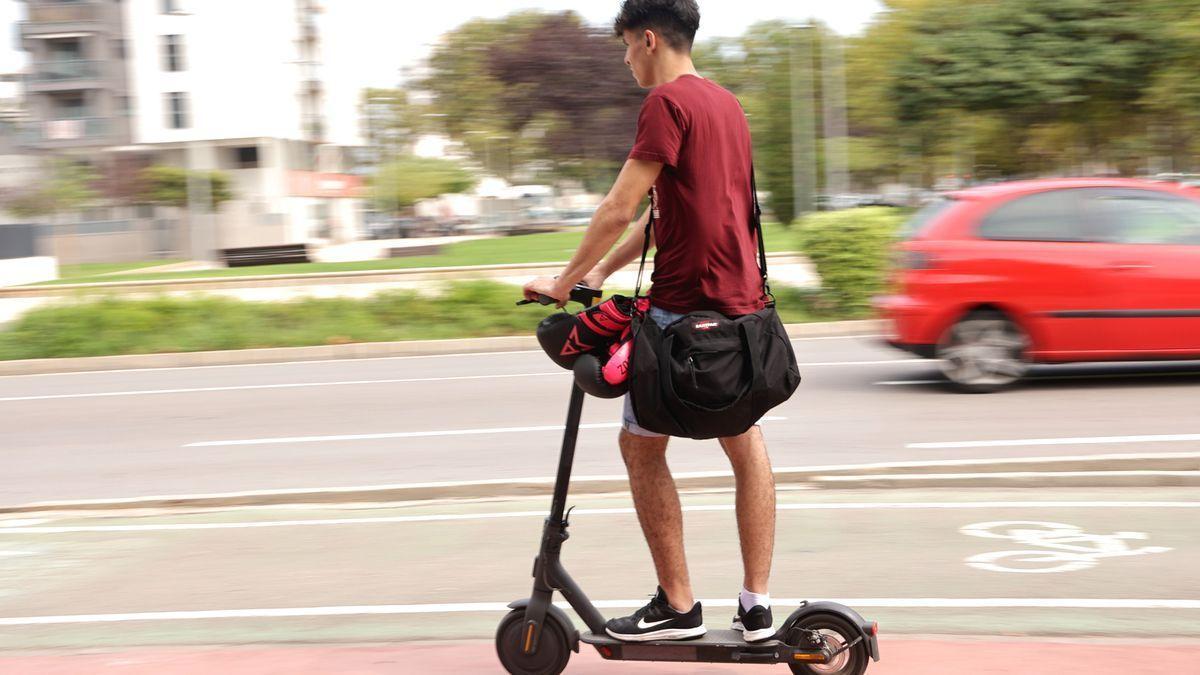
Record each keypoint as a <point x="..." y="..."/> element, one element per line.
<point x="903" y="656"/>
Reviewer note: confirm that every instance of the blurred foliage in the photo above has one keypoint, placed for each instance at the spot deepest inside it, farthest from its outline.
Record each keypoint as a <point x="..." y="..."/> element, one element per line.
<point x="70" y="187"/>
<point x="1014" y="88"/>
<point x="168" y="185"/>
<point x="851" y="250"/>
<point x="993" y="89"/>
<point x="518" y="111"/>
<point x="174" y="324"/>
<point x="399" y="184"/>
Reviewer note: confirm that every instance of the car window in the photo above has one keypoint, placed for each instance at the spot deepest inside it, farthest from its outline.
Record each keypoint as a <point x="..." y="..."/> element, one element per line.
<point x="1131" y="216"/>
<point x="925" y="217"/>
<point x="1045" y="216"/>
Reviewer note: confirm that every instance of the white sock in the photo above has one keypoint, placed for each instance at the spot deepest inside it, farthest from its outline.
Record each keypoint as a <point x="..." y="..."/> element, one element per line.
<point x="749" y="600"/>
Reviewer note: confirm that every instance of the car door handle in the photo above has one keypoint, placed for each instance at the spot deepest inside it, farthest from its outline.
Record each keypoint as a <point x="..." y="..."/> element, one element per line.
<point x="1127" y="267"/>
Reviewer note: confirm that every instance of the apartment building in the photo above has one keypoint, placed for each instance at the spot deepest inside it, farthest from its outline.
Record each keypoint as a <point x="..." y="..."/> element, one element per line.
<point x="230" y="85"/>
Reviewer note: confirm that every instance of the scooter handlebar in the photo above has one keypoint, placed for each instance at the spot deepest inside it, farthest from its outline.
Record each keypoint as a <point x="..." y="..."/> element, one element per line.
<point x="584" y="295"/>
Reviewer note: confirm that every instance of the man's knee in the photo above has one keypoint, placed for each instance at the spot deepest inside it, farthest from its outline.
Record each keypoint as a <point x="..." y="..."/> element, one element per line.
<point x="635" y="447"/>
<point x="747" y="444"/>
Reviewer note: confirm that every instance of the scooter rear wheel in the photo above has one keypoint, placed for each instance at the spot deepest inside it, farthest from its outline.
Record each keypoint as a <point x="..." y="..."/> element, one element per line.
<point x="837" y="633"/>
<point x="553" y="650"/>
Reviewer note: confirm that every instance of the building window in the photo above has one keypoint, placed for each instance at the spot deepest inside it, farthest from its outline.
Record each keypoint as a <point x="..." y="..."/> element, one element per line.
<point x="177" y="110"/>
<point x="246" y="157"/>
<point x="173" y="53"/>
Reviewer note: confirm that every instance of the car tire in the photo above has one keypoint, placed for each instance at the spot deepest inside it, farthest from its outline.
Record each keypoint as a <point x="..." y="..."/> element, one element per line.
<point x="984" y="352"/>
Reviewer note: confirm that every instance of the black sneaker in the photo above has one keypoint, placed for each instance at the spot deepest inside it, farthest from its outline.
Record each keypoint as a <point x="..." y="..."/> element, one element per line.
<point x="755" y="624"/>
<point x="657" y="621"/>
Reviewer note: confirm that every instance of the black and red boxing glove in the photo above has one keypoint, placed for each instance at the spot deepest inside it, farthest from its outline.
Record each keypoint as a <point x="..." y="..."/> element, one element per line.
<point x="565" y="337"/>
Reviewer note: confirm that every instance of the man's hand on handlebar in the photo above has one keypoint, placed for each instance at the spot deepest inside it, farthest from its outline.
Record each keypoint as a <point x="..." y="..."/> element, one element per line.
<point x="549" y="287"/>
<point x="579" y="293"/>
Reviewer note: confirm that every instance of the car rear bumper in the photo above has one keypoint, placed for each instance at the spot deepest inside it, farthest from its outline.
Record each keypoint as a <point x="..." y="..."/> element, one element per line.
<point x="907" y="324"/>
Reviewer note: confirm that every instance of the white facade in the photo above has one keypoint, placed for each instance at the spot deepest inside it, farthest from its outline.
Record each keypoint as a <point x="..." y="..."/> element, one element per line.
<point x="240" y="70"/>
<point x="251" y="78"/>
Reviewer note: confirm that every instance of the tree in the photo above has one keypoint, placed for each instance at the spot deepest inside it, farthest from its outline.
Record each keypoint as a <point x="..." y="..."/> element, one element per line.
<point x="401" y="183"/>
<point x="168" y="185"/>
<point x="513" y="107"/>
<point x="1073" y="66"/>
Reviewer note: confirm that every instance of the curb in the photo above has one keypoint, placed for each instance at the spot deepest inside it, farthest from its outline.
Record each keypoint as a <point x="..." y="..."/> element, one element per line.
<point x="363" y="350"/>
<point x="1176" y="469"/>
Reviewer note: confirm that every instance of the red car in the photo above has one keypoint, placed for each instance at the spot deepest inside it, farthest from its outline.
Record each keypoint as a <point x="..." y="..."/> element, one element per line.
<point x="995" y="278"/>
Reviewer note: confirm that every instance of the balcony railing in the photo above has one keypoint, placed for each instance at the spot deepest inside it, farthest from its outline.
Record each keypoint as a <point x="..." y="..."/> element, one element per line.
<point x="61" y="71"/>
<point x="65" y="12"/>
<point x="80" y="129"/>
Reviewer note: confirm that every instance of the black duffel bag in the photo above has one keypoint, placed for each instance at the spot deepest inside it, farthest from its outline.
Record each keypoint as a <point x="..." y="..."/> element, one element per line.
<point x="707" y="375"/>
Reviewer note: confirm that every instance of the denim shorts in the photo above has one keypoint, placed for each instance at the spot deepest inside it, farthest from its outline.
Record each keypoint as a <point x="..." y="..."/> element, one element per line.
<point x="663" y="318"/>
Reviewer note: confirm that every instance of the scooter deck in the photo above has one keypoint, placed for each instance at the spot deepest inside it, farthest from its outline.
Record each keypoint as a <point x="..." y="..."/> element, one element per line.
<point x="715" y="646"/>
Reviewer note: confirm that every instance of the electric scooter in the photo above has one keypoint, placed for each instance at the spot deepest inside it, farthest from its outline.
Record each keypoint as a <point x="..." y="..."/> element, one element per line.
<point x="537" y="638"/>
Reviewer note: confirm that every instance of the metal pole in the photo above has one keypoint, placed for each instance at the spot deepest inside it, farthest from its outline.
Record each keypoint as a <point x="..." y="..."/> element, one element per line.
<point x="804" y="178"/>
<point x="837" y="159"/>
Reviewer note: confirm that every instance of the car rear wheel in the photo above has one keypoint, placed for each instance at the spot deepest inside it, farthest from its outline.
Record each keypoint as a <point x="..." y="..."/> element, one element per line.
<point x="984" y="352"/>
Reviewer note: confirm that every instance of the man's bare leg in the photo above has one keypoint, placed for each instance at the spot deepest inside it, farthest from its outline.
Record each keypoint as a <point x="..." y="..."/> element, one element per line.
<point x="755" y="505"/>
<point x="657" y="502"/>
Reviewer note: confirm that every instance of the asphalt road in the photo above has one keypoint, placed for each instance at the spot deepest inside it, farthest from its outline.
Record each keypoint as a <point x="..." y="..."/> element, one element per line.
<point x="487" y="416"/>
<point x="1114" y="564"/>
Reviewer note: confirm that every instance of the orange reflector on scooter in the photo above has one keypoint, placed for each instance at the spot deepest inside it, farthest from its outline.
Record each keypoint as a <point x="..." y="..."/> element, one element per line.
<point x="529" y="637"/>
<point x="874" y="629"/>
<point x="804" y="656"/>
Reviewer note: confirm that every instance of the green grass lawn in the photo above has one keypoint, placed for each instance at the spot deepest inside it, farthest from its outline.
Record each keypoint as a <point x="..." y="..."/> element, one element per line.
<point x="528" y="248"/>
<point x="84" y="270"/>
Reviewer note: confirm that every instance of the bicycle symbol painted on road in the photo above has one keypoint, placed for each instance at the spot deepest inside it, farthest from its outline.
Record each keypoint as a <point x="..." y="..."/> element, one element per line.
<point x="1064" y="548"/>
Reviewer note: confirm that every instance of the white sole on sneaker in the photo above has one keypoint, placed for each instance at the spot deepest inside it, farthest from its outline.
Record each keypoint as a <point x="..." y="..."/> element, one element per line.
<point x="667" y="634"/>
<point x="753" y="635"/>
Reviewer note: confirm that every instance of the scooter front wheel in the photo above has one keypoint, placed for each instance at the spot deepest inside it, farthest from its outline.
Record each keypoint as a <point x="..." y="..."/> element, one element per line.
<point x="553" y="649"/>
<point x="837" y="633"/>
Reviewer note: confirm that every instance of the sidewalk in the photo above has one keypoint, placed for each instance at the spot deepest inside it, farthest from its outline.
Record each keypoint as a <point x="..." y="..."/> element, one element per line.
<point x="902" y="656"/>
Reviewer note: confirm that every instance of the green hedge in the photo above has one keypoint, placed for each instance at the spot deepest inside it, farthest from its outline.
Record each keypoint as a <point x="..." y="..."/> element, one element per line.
<point x="202" y="323"/>
<point x="851" y="250"/>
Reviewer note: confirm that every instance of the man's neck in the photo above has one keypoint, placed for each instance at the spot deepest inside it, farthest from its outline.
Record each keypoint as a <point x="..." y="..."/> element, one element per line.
<point x="673" y="67"/>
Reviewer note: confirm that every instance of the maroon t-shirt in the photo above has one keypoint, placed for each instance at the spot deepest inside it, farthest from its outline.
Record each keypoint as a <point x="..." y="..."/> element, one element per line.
<point x="706" y="256"/>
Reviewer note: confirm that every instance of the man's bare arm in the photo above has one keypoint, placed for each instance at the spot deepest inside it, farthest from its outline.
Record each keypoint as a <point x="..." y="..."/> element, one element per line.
<point x="610" y="220"/>
<point x="629" y="251"/>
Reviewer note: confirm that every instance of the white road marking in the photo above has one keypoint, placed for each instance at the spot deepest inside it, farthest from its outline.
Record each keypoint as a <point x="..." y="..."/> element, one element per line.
<point x="15" y="554"/>
<point x="917" y="477"/>
<point x="363" y="610"/>
<point x="1060" y="547"/>
<point x="411" y="434"/>
<point x="370" y="358"/>
<point x="1055" y="378"/>
<point x="549" y="480"/>
<point x="428" y="518"/>
<point x="291" y="385"/>
<point x="1084" y="440"/>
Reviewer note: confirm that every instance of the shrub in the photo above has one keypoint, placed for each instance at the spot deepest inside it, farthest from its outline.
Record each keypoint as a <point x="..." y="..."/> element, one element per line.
<point x="850" y="250"/>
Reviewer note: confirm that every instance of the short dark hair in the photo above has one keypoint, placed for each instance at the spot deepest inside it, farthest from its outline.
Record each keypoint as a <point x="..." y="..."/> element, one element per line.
<point x="675" y="21"/>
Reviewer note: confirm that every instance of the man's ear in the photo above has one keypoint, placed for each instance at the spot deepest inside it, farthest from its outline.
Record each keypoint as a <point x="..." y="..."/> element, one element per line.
<point x="651" y="39"/>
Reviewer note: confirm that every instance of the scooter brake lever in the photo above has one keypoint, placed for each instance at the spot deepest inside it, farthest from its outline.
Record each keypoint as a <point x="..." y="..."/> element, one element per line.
<point x="567" y="517"/>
